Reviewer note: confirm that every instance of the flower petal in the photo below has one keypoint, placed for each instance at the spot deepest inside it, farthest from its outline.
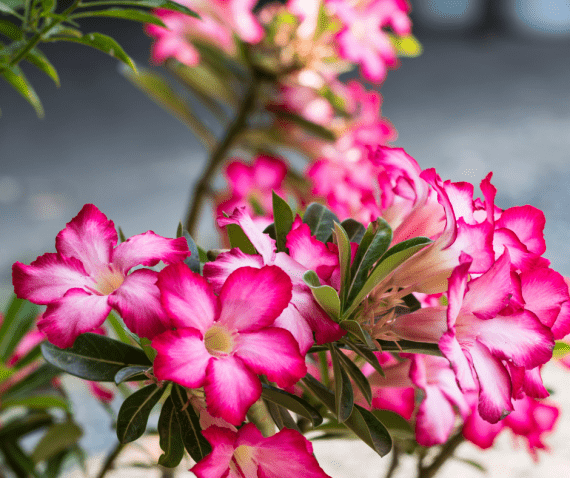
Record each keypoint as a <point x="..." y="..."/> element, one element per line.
<point x="48" y="278"/>
<point x="216" y="272"/>
<point x="216" y="464"/>
<point x="187" y="298"/>
<point x="231" y="388"/>
<point x="291" y="320"/>
<point x="480" y="431"/>
<point x="149" y="249"/>
<point x="423" y="325"/>
<point x="460" y="364"/>
<point x="527" y="222"/>
<point x="138" y="302"/>
<point x="253" y="298"/>
<point x="532" y="384"/>
<point x="75" y="313"/>
<point x="259" y="349"/>
<point x="182" y="357"/>
<point x="435" y="418"/>
<point x="89" y="237"/>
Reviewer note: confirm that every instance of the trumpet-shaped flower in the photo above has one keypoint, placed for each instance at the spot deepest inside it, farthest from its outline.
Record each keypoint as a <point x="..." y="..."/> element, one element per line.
<point x="89" y="276"/>
<point x="247" y="454"/>
<point x="223" y="342"/>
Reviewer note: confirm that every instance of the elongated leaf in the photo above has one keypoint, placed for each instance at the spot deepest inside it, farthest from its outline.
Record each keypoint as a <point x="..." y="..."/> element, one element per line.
<point x="58" y="437"/>
<point x="7" y="9"/>
<point x="312" y="128"/>
<point x="366" y="354"/>
<point x="320" y="221"/>
<point x="171" y="5"/>
<point x="194" y="442"/>
<point x="326" y="296"/>
<point x="343" y="394"/>
<point x="101" y="42"/>
<point x="292" y="402"/>
<point x="359" y="378"/>
<point x="39" y="378"/>
<point x="283" y="217"/>
<point x="20" y="426"/>
<point x="354" y="230"/>
<point x="239" y="239"/>
<point x="134" y="412"/>
<point x="20" y="463"/>
<point x="124" y="13"/>
<point x="344" y="255"/>
<point x="9" y="29"/>
<point x="270" y="231"/>
<point x="394" y="258"/>
<point x="37" y="402"/>
<point x="395" y="423"/>
<point x="18" y="320"/>
<point x="95" y="357"/>
<point x="355" y="328"/>
<point x="370" y="250"/>
<point x="362" y="422"/>
<point x="20" y="83"/>
<point x="48" y="6"/>
<point x="131" y="374"/>
<point x="560" y="349"/>
<point x="40" y="61"/>
<point x="281" y="417"/>
<point x="170" y="436"/>
<point x="193" y="261"/>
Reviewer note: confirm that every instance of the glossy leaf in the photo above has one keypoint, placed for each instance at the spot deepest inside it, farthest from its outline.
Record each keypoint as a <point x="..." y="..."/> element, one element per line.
<point x="292" y="402"/>
<point x="396" y="424"/>
<point x="366" y="354"/>
<point x="58" y="437"/>
<point x="343" y="394"/>
<point x="354" y="230"/>
<point x="192" y="261"/>
<point x="18" y="320"/>
<point x="281" y="416"/>
<point x="344" y="255"/>
<point x="362" y="422"/>
<point x="325" y="295"/>
<point x="194" y="442"/>
<point x="170" y="436"/>
<point x="283" y="217"/>
<point x="20" y="83"/>
<point x="357" y="376"/>
<point x="94" y="357"/>
<point x="239" y="239"/>
<point x="134" y="413"/>
<point x="131" y="374"/>
<point x="36" y="402"/>
<point x="123" y="13"/>
<point x="320" y="221"/>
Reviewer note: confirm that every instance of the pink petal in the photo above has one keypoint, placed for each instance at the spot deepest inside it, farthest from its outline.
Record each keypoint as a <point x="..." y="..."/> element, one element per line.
<point x="423" y="325"/>
<point x="187" y="298"/>
<point x="231" y="388"/>
<point x="149" y="249"/>
<point x="48" y="278"/>
<point x="495" y="384"/>
<point x="240" y="178"/>
<point x="435" y="418"/>
<point x="216" y="272"/>
<point x="291" y="320"/>
<point x="527" y="222"/>
<point x="253" y="298"/>
<point x="101" y="393"/>
<point x="259" y="349"/>
<point x="399" y="400"/>
<point x="460" y="364"/>
<point x="561" y="327"/>
<point x="481" y="432"/>
<point x="89" y="237"/>
<point x="217" y="463"/>
<point x="521" y="258"/>
<point x="461" y="198"/>
<point x="75" y="313"/>
<point x="138" y="302"/>
<point x="457" y="285"/>
<point x="269" y="172"/>
<point x="182" y="357"/>
<point x="532" y="384"/>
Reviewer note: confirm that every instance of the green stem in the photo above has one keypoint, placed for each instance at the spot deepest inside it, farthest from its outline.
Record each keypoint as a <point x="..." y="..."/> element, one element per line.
<point x="445" y="453"/>
<point x="394" y="462"/>
<point x="219" y="154"/>
<point x="110" y="460"/>
<point x="259" y="416"/>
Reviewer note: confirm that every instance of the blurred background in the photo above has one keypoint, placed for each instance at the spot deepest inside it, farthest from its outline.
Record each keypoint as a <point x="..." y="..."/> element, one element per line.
<point x="491" y="92"/>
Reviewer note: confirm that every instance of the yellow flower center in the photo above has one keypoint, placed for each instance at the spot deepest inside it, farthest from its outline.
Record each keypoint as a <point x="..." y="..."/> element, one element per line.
<point x="244" y="457"/>
<point x="109" y="280"/>
<point x="219" y="341"/>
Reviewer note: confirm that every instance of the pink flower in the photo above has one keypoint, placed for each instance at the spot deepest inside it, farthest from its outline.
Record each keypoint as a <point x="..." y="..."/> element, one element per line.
<point x="89" y="276"/>
<point x="247" y="454"/>
<point x="222" y="342"/>
<point x="239" y="16"/>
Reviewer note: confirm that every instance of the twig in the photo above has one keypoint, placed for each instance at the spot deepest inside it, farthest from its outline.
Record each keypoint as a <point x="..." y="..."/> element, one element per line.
<point x="395" y="461"/>
<point x="445" y="453"/>
<point x="110" y="460"/>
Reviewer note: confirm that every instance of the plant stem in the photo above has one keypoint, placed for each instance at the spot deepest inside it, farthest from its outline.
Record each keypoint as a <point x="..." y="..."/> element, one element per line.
<point x="395" y="461"/>
<point x="445" y="453"/>
<point x="110" y="460"/>
<point x="219" y="153"/>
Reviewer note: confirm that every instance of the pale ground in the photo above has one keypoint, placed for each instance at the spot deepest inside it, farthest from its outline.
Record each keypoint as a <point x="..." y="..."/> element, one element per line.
<point x="353" y="459"/>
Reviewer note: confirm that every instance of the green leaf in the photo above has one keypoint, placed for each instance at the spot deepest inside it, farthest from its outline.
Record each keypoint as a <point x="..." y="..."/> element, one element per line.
<point x="354" y="328"/>
<point x="58" y="437"/>
<point x="39" y="378"/>
<point x="362" y="422"/>
<point x="280" y="415"/>
<point x="194" y="442"/>
<point x="178" y="7"/>
<point x="131" y="374"/>
<point x="121" y="234"/>
<point x="15" y="77"/>
<point x="373" y="246"/>
<point x="171" y="5"/>
<point x="10" y="30"/>
<point x="18" y="320"/>
<point x="310" y="127"/>
<point x="326" y="296"/>
<point x="283" y="217"/>
<point x="36" y="402"/>
<point x="359" y="378"/>
<point x="193" y="261"/>
<point x="411" y="302"/>
<point x="239" y="239"/>
<point x="366" y="354"/>
<point x="406" y="46"/>
<point x="170" y="436"/>
<point x="101" y="42"/>
<point x="291" y="402"/>
<point x="270" y="231"/>
<point x="394" y="258"/>
<point x="134" y="413"/>
<point x="94" y="357"/>
<point x="17" y="459"/>
<point x="344" y="255"/>
<point x="343" y="394"/>
<point x="7" y="9"/>
<point x="124" y="13"/>
<point x="123" y="334"/>
<point x="561" y="349"/>
<point x="354" y="230"/>
<point x="320" y="221"/>
<point x="472" y="463"/>
<point x="396" y="424"/>
<point x="48" y="6"/>
<point x="21" y="426"/>
<point x="63" y="31"/>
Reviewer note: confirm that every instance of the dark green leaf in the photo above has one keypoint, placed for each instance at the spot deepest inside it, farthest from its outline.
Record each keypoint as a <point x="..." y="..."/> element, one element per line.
<point x="18" y="320"/>
<point x="58" y="437"/>
<point x="359" y="379"/>
<point x="179" y="230"/>
<point x="239" y="239"/>
<point x="20" y="463"/>
<point x="193" y="261"/>
<point x="309" y="126"/>
<point x="396" y="424"/>
<point x="62" y="31"/>
<point x="171" y="5"/>
<point x="283" y="217"/>
<point x="374" y="244"/>
<point x="354" y="230"/>
<point x="178" y="7"/>
<point x="48" y="6"/>
<point x="194" y="442"/>
<point x="320" y="221"/>
<point x="7" y="9"/>
<point x="101" y="42"/>
<point x="131" y="374"/>
<point x="292" y="402"/>
<point x="411" y="302"/>
<point x="343" y="394"/>
<point x="20" y="426"/>
<point x="36" y="402"/>
<point x="134" y="413"/>
<point x="472" y="463"/>
<point x="55" y="464"/>
<point x="39" y="378"/>
<point x="270" y="231"/>
<point x="366" y="354"/>
<point x="344" y="255"/>
<point x="94" y="357"/>
<point x="355" y="329"/>
<point x="121" y="234"/>
<point x="124" y="13"/>
<point x="170" y="436"/>
<point x="10" y="30"/>
<point x="325" y="295"/>
<point x="362" y="422"/>
<point x="281" y="417"/>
